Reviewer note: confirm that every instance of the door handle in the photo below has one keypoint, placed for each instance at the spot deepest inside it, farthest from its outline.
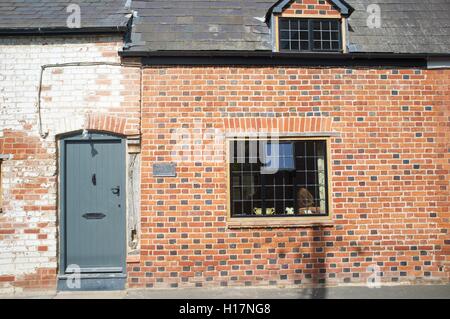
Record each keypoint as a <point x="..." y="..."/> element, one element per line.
<point x="116" y="190"/>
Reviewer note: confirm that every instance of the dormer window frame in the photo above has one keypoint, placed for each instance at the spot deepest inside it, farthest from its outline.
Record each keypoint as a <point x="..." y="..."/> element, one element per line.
<point x="275" y="13"/>
<point x="310" y="29"/>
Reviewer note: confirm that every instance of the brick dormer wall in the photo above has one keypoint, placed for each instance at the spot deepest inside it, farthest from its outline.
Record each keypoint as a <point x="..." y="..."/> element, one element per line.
<point x="310" y="7"/>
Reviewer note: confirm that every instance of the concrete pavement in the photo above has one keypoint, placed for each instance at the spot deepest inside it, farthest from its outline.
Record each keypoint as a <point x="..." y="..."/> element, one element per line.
<point x="348" y="292"/>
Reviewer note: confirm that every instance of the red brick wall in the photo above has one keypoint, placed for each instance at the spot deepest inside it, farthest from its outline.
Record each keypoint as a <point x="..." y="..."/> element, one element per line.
<point x="319" y="7"/>
<point x="390" y="178"/>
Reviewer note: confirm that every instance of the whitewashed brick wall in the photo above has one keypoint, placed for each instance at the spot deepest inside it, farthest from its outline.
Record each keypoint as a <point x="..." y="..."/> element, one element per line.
<point x="67" y="95"/>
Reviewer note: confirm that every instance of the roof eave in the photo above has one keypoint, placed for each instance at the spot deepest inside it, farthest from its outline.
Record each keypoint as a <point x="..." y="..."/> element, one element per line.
<point x="61" y="30"/>
<point x="281" y="55"/>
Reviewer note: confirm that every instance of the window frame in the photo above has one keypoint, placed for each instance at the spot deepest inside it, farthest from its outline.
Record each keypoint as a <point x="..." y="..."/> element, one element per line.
<point x="281" y="221"/>
<point x="310" y="31"/>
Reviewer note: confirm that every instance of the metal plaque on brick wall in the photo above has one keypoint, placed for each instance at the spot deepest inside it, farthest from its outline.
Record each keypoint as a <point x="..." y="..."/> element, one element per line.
<point x="164" y="170"/>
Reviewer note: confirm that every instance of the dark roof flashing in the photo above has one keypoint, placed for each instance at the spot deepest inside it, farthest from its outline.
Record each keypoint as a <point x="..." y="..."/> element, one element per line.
<point x="345" y="9"/>
<point x="268" y="58"/>
<point x="61" y="31"/>
<point x="283" y="55"/>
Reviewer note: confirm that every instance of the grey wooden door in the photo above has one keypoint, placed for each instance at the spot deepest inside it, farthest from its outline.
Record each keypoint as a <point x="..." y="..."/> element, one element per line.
<point x="94" y="203"/>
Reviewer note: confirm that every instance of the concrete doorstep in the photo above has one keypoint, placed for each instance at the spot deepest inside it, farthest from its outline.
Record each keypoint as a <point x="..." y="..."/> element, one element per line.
<point x="349" y="292"/>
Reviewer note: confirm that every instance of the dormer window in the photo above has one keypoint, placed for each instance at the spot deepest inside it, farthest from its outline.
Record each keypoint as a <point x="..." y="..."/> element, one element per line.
<point x="309" y="25"/>
<point x="309" y="34"/>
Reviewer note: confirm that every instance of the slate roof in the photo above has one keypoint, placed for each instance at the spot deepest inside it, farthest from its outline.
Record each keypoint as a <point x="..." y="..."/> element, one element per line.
<point x="408" y="26"/>
<point x="27" y="14"/>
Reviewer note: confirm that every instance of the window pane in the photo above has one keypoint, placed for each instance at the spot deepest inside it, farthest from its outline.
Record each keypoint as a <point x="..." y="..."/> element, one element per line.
<point x="237" y="206"/>
<point x="304" y="24"/>
<point x="297" y="188"/>
<point x="309" y="149"/>
<point x="294" y="35"/>
<point x="294" y="24"/>
<point x="326" y="35"/>
<point x="284" y="45"/>
<point x="287" y="162"/>
<point x="304" y="35"/>
<point x="317" y="35"/>
<point x="334" y="25"/>
<point x="284" y="24"/>
<point x="304" y="45"/>
<point x="279" y="156"/>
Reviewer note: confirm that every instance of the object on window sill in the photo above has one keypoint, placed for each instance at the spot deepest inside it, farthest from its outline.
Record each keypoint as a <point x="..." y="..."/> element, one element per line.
<point x="309" y="211"/>
<point x="304" y="198"/>
<point x="269" y="211"/>
<point x="289" y="211"/>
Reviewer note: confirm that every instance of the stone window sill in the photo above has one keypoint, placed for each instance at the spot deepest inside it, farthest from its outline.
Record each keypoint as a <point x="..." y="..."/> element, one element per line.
<point x="234" y="223"/>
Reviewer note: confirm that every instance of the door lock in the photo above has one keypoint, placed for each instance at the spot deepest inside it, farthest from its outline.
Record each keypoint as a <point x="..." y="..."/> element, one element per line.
<point x="116" y="190"/>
